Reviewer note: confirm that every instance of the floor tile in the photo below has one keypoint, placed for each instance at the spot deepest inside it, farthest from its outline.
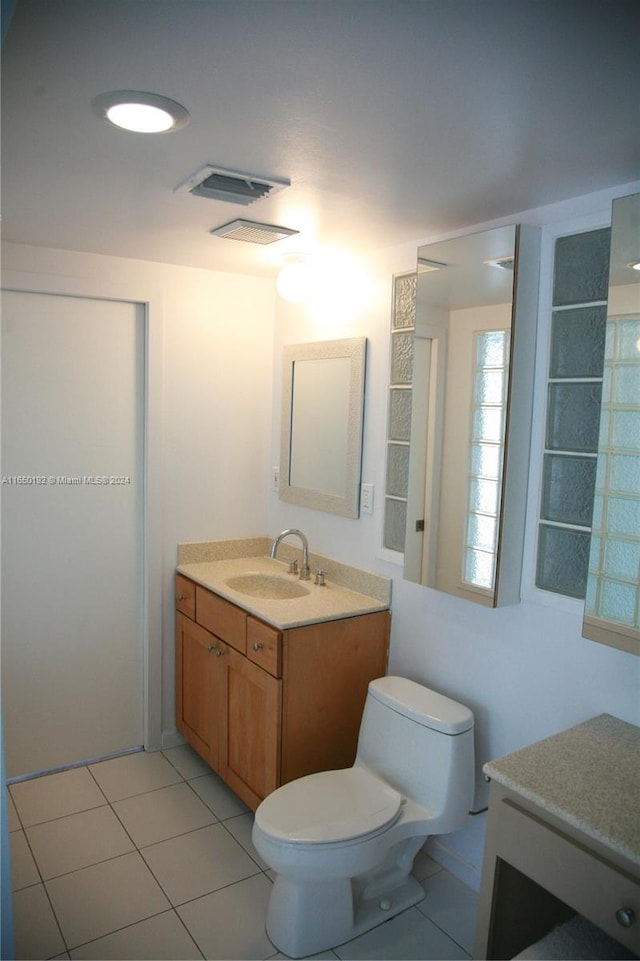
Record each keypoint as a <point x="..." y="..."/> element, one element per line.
<point x="104" y="897"/>
<point x="216" y="795"/>
<point x="241" y="827"/>
<point x="23" y="868"/>
<point x="77" y="841"/>
<point x="36" y="932"/>
<point x="323" y="956"/>
<point x="229" y="924"/>
<point x="424" y="866"/>
<point x="198" y="863"/>
<point x="56" y="795"/>
<point x="452" y="906"/>
<point x="406" y="937"/>
<point x="123" y="777"/>
<point x="161" y="938"/>
<point x="163" y="814"/>
<point x="187" y="762"/>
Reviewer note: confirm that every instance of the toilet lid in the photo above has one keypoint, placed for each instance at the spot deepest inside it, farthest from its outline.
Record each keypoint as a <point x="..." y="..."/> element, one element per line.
<point x="329" y="806"/>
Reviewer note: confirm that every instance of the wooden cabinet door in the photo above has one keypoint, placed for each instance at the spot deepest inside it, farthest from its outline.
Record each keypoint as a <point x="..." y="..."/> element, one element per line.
<point x="327" y="668"/>
<point x="194" y="685"/>
<point x="251" y="752"/>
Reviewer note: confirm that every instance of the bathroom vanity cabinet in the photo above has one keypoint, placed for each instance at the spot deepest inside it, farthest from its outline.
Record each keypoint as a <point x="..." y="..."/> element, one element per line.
<point x="264" y="706"/>
<point x="563" y="838"/>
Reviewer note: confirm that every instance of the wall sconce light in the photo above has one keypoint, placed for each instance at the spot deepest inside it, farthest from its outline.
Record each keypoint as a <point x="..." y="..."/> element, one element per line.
<point x="140" y="112"/>
<point x="294" y="282"/>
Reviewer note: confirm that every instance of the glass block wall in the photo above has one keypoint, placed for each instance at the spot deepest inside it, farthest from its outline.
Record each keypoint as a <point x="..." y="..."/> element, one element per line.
<point x="403" y="313"/>
<point x="613" y="588"/>
<point x="490" y="382"/>
<point x="579" y="316"/>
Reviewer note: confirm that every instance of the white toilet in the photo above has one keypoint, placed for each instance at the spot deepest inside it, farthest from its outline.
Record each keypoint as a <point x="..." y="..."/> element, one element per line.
<point x="342" y="843"/>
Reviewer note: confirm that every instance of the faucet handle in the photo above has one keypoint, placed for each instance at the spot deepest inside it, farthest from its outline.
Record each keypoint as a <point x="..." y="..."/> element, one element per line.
<point x="293" y="566"/>
<point x="320" y="576"/>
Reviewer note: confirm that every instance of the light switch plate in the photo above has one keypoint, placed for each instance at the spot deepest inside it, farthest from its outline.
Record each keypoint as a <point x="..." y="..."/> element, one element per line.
<point x="366" y="498"/>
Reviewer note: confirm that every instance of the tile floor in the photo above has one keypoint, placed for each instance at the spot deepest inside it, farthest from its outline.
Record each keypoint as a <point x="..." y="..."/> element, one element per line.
<point x="149" y="856"/>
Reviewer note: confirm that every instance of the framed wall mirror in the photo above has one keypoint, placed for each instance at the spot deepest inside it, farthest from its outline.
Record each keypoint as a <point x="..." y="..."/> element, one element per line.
<point x="612" y="604"/>
<point x="472" y="394"/>
<point x="322" y="421"/>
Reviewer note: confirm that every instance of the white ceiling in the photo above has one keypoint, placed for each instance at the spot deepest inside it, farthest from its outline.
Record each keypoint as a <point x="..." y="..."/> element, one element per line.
<point x="393" y="119"/>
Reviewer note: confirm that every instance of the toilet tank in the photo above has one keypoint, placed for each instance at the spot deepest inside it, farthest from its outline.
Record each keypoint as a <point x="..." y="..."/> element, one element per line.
<point x="421" y="743"/>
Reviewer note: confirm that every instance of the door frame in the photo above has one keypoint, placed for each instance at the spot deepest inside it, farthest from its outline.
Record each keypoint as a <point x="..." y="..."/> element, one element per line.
<point x="151" y="303"/>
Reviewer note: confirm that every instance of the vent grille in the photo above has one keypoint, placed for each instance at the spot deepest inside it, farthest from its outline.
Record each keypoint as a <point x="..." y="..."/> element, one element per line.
<point x="216" y="183"/>
<point x="252" y="233"/>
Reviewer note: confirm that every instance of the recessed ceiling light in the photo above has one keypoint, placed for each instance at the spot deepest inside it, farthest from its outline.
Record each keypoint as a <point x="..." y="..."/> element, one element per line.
<point x="634" y="264"/>
<point x="140" y="112"/>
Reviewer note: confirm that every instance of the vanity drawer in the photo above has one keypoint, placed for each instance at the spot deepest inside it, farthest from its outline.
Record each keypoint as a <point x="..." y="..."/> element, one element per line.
<point x="264" y="646"/>
<point x="185" y="596"/>
<point x="581" y="878"/>
<point x="223" y="619"/>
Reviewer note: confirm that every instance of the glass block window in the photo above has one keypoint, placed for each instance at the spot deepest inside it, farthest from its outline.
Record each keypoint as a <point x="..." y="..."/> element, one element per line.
<point x="574" y="389"/>
<point x="490" y="383"/>
<point x="613" y="585"/>
<point x="399" y="418"/>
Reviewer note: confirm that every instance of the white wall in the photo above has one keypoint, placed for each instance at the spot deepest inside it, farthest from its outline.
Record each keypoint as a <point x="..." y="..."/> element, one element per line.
<point x="525" y="670"/>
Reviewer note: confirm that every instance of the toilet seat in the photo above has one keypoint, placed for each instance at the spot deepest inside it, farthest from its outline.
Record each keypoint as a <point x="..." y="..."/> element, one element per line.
<point x="331" y="806"/>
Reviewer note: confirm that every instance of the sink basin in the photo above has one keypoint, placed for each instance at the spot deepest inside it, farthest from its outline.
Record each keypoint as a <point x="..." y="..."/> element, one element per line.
<point x="266" y="585"/>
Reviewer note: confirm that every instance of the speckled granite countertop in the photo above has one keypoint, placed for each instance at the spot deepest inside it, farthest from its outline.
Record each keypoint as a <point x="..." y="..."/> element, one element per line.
<point x="348" y="591"/>
<point x="588" y="775"/>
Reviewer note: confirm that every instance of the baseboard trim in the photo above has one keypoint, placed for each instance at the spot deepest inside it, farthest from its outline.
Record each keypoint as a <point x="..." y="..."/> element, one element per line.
<point x="452" y="862"/>
<point x="171" y="739"/>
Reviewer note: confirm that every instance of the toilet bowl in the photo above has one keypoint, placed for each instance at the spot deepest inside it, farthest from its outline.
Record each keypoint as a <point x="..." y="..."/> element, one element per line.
<point x="342" y="843"/>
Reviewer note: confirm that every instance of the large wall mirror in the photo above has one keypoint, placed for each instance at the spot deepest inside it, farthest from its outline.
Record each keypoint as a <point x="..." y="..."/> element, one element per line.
<point x="472" y="393"/>
<point x="322" y="420"/>
<point x="612" y="605"/>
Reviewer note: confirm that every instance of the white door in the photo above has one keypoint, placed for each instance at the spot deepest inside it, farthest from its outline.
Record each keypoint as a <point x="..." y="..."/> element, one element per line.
<point x="72" y="528"/>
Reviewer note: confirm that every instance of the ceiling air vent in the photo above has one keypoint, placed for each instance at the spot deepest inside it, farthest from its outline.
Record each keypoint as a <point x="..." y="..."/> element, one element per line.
<point x="252" y="233"/>
<point x="234" y="187"/>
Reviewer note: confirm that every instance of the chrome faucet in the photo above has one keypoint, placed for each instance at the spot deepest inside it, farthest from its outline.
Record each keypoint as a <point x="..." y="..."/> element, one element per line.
<point x="305" y="570"/>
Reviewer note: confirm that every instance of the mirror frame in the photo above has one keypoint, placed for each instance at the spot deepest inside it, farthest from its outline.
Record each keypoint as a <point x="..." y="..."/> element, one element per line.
<point x="354" y="350"/>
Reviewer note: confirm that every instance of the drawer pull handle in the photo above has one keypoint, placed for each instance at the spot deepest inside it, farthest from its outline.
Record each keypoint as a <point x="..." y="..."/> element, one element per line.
<point x="257" y="646"/>
<point x="625" y="917"/>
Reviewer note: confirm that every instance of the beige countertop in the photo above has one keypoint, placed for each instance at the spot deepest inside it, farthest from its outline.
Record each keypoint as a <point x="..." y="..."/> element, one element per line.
<point x="588" y="775"/>
<point x="322" y="603"/>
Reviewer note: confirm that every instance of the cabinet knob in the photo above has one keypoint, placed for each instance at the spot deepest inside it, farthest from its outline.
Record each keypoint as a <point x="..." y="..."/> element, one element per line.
<point x="257" y="646"/>
<point x="181" y="597"/>
<point x="625" y="917"/>
<point x="215" y="650"/>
